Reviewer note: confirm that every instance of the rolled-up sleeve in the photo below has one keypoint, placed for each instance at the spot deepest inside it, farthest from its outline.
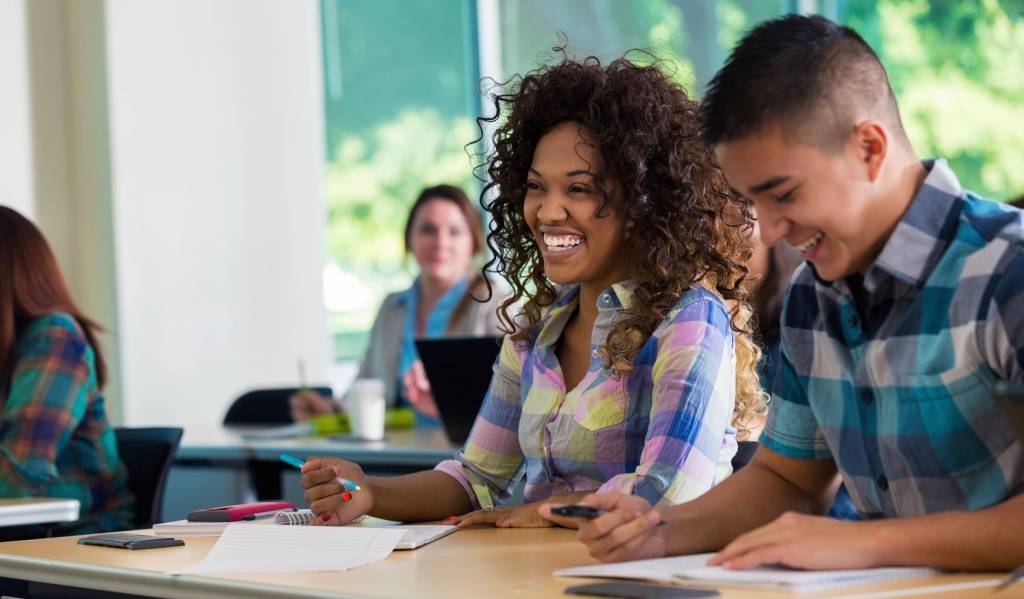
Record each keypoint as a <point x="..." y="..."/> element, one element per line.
<point x="692" y="401"/>
<point x="491" y="462"/>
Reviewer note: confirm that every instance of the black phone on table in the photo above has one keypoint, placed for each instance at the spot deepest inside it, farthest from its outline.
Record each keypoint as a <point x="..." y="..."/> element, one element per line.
<point x="637" y="590"/>
<point x="127" y="540"/>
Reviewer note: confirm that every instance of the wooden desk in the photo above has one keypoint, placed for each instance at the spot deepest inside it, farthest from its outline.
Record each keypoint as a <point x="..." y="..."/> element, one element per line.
<point x="37" y="510"/>
<point x="480" y="562"/>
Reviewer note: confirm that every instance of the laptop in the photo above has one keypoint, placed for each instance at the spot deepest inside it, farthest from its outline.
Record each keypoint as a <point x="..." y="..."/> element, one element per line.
<point x="459" y="370"/>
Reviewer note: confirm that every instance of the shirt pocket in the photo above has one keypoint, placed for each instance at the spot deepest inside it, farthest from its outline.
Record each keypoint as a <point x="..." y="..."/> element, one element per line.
<point x="601" y="406"/>
<point x="947" y="423"/>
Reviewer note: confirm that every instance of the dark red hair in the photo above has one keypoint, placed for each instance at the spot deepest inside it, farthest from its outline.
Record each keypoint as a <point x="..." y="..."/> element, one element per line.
<point x="31" y="286"/>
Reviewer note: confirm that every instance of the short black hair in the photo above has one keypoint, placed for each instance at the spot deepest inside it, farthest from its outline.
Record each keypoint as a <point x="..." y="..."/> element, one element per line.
<point x="813" y="77"/>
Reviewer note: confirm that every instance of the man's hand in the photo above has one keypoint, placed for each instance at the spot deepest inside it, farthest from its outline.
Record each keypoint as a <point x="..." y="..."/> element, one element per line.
<point x="807" y="542"/>
<point x="630" y="530"/>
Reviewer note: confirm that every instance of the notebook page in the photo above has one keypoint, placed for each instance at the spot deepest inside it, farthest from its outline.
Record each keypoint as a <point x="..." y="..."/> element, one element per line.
<point x="691" y="568"/>
<point x="416" y="535"/>
<point x="660" y="570"/>
<point x="243" y="548"/>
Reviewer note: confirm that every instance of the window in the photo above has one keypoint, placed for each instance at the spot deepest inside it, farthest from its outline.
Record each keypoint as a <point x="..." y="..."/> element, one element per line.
<point x="402" y="81"/>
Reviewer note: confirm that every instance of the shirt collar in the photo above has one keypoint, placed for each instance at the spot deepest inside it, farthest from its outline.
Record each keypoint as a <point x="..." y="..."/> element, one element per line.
<point x="615" y="298"/>
<point x="924" y="231"/>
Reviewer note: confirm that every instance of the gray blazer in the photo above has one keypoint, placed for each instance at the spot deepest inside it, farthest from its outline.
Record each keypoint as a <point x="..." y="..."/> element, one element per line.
<point x="381" y="360"/>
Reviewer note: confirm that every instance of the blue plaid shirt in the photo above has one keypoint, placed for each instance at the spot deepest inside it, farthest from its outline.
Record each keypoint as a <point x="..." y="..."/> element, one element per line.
<point x="898" y="392"/>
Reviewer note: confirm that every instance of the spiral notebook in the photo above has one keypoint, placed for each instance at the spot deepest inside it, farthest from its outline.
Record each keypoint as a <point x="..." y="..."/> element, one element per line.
<point x="416" y="535"/>
<point x="691" y="570"/>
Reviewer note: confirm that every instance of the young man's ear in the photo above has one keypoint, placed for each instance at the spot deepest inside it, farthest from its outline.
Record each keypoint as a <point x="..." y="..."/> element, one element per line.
<point x="872" y="146"/>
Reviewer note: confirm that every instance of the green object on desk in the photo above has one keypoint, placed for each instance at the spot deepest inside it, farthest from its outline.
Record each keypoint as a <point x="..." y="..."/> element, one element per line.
<point x="339" y="424"/>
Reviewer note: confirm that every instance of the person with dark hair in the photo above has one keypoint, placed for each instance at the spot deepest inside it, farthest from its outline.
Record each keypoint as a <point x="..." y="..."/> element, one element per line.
<point x="894" y="332"/>
<point x="443" y="233"/>
<point x="627" y="362"/>
<point x="55" y="439"/>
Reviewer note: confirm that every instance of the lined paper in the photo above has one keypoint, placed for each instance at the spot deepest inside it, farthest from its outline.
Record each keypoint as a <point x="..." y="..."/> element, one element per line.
<point x="244" y="548"/>
<point x="692" y="568"/>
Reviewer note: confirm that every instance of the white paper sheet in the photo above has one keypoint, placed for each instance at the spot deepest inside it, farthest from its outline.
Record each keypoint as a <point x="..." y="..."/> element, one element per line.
<point x="245" y="548"/>
<point x="692" y="568"/>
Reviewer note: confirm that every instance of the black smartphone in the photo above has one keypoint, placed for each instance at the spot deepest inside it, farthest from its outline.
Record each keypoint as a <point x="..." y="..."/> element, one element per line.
<point x="126" y="540"/>
<point x="578" y="511"/>
<point x="637" y="590"/>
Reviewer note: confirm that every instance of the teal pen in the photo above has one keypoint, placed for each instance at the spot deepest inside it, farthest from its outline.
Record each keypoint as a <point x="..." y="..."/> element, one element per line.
<point x="294" y="461"/>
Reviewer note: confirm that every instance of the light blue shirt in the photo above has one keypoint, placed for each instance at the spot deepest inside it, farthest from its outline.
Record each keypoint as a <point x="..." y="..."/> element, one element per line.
<point x="435" y="326"/>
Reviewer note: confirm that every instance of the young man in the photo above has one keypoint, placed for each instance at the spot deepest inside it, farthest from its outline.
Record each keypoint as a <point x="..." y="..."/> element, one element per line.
<point x="894" y="332"/>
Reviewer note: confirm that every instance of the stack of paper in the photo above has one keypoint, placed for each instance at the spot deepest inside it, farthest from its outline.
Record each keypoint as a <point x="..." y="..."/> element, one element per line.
<point x="692" y="569"/>
<point x="245" y="548"/>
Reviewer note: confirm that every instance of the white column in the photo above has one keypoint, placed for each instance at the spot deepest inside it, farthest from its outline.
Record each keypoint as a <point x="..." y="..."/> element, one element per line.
<point x="217" y="145"/>
<point x="16" y="189"/>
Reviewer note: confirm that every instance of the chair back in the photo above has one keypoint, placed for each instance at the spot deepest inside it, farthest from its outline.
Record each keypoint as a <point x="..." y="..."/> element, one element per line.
<point x="265" y="406"/>
<point x="147" y="454"/>
<point x="744" y="453"/>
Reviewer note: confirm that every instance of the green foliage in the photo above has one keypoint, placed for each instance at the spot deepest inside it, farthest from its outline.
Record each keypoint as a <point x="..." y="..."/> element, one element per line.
<point x="955" y="67"/>
<point x="375" y="178"/>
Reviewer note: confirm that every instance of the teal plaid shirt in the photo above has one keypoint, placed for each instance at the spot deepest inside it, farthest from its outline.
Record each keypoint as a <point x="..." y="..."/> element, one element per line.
<point x="55" y="440"/>
<point x="895" y="386"/>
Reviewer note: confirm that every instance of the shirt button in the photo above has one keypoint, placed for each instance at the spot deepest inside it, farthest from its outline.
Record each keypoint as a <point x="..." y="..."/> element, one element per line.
<point x="866" y="396"/>
<point x="882" y="482"/>
<point x="606" y="299"/>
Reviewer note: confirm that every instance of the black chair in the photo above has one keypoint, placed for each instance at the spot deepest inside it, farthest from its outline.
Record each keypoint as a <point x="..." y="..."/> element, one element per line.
<point x="147" y="453"/>
<point x="265" y="406"/>
<point x="744" y="453"/>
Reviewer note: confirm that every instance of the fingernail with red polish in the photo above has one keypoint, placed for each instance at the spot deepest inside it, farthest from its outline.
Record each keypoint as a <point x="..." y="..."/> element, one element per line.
<point x="326" y="517"/>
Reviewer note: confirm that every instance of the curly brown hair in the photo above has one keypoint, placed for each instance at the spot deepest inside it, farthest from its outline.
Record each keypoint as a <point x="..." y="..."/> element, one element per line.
<point x="687" y="228"/>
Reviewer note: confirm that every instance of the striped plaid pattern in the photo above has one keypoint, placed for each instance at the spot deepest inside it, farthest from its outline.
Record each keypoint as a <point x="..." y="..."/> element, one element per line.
<point x="661" y="432"/>
<point x="897" y="393"/>
<point x="55" y="440"/>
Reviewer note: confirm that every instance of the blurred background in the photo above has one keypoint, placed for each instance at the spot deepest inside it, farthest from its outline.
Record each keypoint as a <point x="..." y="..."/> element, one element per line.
<point x="225" y="181"/>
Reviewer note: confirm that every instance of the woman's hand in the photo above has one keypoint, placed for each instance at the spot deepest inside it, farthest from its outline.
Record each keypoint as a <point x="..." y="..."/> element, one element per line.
<point x="517" y="516"/>
<point x="307" y="403"/>
<point x="331" y="502"/>
<point x="417" y="390"/>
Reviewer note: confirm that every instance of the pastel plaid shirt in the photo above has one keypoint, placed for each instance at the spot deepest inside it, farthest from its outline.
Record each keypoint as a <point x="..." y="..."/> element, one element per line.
<point x="662" y="432"/>
<point x="55" y="440"/>
<point x="898" y="392"/>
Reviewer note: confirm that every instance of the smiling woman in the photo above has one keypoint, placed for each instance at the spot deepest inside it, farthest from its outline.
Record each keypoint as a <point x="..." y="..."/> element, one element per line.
<point x="628" y="367"/>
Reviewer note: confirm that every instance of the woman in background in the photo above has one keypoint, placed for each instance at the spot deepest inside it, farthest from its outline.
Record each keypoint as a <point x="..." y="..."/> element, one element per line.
<point x="55" y="440"/>
<point x="444" y="233"/>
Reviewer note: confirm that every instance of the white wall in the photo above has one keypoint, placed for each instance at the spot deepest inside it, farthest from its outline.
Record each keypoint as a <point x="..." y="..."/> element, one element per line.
<point x="216" y="142"/>
<point x="15" y="114"/>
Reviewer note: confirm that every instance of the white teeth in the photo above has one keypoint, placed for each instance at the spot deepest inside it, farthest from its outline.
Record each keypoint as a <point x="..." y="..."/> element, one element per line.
<point x="562" y="241"/>
<point x="810" y="243"/>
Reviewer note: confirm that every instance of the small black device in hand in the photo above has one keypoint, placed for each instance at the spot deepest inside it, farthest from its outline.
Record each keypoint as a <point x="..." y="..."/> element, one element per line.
<point x="125" y="540"/>
<point x="578" y="511"/>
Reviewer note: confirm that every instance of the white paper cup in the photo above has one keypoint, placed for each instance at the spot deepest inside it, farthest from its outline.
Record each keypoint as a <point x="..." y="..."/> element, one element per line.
<point x="367" y="405"/>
